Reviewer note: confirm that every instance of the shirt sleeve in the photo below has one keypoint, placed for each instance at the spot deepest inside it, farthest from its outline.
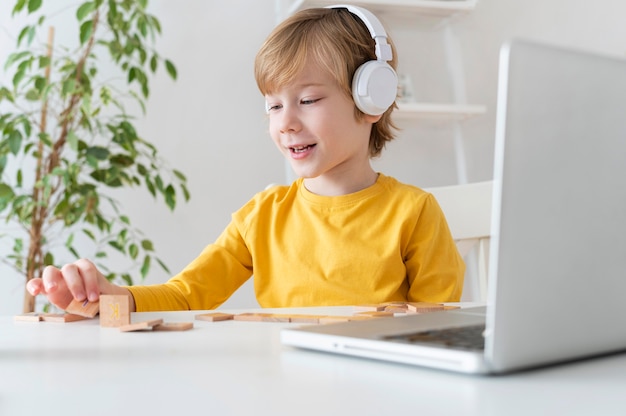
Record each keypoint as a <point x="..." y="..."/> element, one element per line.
<point x="207" y="282"/>
<point x="435" y="268"/>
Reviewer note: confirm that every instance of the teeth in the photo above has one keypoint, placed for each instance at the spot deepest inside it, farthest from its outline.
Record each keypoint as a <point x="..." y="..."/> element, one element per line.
<point x="300" y="149"/>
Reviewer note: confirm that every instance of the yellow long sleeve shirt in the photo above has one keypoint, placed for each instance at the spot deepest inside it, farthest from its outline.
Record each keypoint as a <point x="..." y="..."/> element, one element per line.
<point x="389" y="242"/>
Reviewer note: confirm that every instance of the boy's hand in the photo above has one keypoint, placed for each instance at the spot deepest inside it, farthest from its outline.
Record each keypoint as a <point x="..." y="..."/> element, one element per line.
<point x="79" y="280"/>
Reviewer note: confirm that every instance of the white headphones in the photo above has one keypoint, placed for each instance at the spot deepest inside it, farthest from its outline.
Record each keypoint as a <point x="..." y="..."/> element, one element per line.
<point x="375" y="83"/>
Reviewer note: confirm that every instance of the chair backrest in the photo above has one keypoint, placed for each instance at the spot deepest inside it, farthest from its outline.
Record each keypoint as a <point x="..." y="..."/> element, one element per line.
<point x="467" y="208"/>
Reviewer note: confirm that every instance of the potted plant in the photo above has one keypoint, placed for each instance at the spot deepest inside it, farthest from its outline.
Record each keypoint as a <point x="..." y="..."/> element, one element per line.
<point x="67" y="140"/>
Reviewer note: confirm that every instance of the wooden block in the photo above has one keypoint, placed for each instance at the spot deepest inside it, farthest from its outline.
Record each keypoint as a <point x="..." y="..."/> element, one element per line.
<point x="114" y="310"/>
<point x="450" y="307"/>
<point x="396" y="308"/>
<point x="249" y="316"/>
<point x="214" y="316"/>
<point x="61" y="317"/>
<point x="305" y="319"/>
<point x="140" y="326"/>
<point x="375" y="314"/>
<point x="28" y="317"/>
<point x="372" y="307"/>
<point x="340" y="318"/>
<point x="173" y="326"/>
<point x="423" y="307"/>
<point x="83" y="308"/>
<point x="333" y="319"/>
<point x="275" y="317"/>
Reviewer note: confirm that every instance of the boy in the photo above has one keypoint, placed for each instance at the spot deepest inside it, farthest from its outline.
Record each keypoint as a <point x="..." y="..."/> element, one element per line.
<point x="341" y="234"/>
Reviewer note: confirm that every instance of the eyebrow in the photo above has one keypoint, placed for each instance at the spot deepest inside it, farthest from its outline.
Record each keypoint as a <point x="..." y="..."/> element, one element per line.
<point x="310" y="84"/>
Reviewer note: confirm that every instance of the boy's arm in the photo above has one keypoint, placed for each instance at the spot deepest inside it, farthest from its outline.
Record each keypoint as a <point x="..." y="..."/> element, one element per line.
<point x="435" y="268"/>
<point x="207" y="282"/>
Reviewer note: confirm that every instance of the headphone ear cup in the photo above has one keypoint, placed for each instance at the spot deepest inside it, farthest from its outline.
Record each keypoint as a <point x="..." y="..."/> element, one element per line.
<point x="374" y="87"/>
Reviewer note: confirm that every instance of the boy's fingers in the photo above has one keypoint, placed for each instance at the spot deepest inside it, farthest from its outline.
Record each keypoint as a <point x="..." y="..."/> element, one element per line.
<point x="73" y="279"/>
<point x="90" y="279"/>
<point x="54" y="287"/>
<point x="35" y="286"/>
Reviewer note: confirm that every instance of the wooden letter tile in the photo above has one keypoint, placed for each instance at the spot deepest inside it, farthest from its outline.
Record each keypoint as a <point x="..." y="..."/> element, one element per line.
<point x="83" y="308"/>
<point x="140" y="326"/>
<point x="214" y="316"/>
<point x="423" y="307"/>
<point x="61" y="317"/>
<point x="28" y="317"/>
<point x="173" y="326"/>
<point x="375" y="314"/>
<point x="114" y="310"/>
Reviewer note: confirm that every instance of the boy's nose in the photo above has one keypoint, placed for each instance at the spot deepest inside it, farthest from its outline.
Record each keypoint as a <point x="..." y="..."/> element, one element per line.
<point x="289" y="122"/>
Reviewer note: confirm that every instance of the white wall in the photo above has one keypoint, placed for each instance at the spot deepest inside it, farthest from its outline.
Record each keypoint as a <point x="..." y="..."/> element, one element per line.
<point x="210" y="123"/>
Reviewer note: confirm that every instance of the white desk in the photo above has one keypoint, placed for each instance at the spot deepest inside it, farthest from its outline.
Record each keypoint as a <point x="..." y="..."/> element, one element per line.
<point x="240" y="368"/>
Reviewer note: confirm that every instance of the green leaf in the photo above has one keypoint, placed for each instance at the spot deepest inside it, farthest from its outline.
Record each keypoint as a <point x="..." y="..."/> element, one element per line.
<point x="185" y="192"/>
<point x="170" y="197"/>
<point x="147" y="245"/>
<point x="44" y="62"/>
<point x="19" y="6"/>
<point x="163" y="265"/>
<point x="86" y="30"/>
<point x="142" y="26"/>
<point x="70" y="240"/>
<point x="28" y="32"/>
<point x="150" y="187"/>
<point x="179" y="175"/>
<point x="34" y="5"/>
<point x="6" y="94"/>
<point x="6" y="192"/>
<point x="32" y="95"/>
<point x="100" y="153"/>
<point x="15" y="57"/>
<point x="68" y="86"/>
<point x="121" y="160"/>
<point x="133" y="251"/>
<point x="84" y="10"/>
<point x="72" y="140"/>
<point x="17" y="78"/>
<point x="15" y="141"/>
<point x="132" y="74"/>
<point x="116" y="246"/>
<point x="171" y="69"/>
<point x="74" y="252"/>
<point x="141" y="169"/>
<point x="145" y="267"/>
<point x="45" y="138"/>
<point x="3" y="163"/>
<point x="48" y="259"/>
<point x="89" y="234"/>
<point x="127" y="279"/>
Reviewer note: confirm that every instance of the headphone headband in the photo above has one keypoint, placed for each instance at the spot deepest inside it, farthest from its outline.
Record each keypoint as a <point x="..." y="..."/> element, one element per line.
<point x="376" y="29"/>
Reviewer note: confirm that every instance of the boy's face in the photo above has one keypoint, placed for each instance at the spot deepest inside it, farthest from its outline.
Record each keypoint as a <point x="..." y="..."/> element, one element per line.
<point x="313" y="123"/>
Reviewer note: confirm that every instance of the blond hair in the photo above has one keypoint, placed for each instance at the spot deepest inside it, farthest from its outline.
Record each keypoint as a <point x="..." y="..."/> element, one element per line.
<point x="338" y="42"/>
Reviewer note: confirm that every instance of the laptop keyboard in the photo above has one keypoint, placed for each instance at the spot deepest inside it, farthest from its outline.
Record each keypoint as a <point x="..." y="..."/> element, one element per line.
<point x="465" y="338"/>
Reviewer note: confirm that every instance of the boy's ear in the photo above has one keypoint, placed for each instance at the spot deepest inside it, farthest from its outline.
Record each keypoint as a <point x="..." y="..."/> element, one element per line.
<point x="371" y="119"/>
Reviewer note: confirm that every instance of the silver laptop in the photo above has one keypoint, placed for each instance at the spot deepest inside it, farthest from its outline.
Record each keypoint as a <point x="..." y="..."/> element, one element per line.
<point x="558" y="249"/>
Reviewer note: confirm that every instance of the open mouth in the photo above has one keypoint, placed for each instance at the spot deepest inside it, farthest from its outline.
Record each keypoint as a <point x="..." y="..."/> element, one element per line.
<point x="301" y="149"/>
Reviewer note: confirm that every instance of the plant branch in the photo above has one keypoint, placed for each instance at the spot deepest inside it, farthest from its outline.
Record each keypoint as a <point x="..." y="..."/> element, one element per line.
<point x="34" y="248"/>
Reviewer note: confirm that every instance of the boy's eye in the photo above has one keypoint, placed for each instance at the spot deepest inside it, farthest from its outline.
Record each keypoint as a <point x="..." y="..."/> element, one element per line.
<point x="272" y="107"/>
<point x="309" y="101"/>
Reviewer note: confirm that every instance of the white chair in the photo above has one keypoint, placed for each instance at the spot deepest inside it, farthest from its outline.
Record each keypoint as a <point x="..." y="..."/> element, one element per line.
<point x="467" y="208"/>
